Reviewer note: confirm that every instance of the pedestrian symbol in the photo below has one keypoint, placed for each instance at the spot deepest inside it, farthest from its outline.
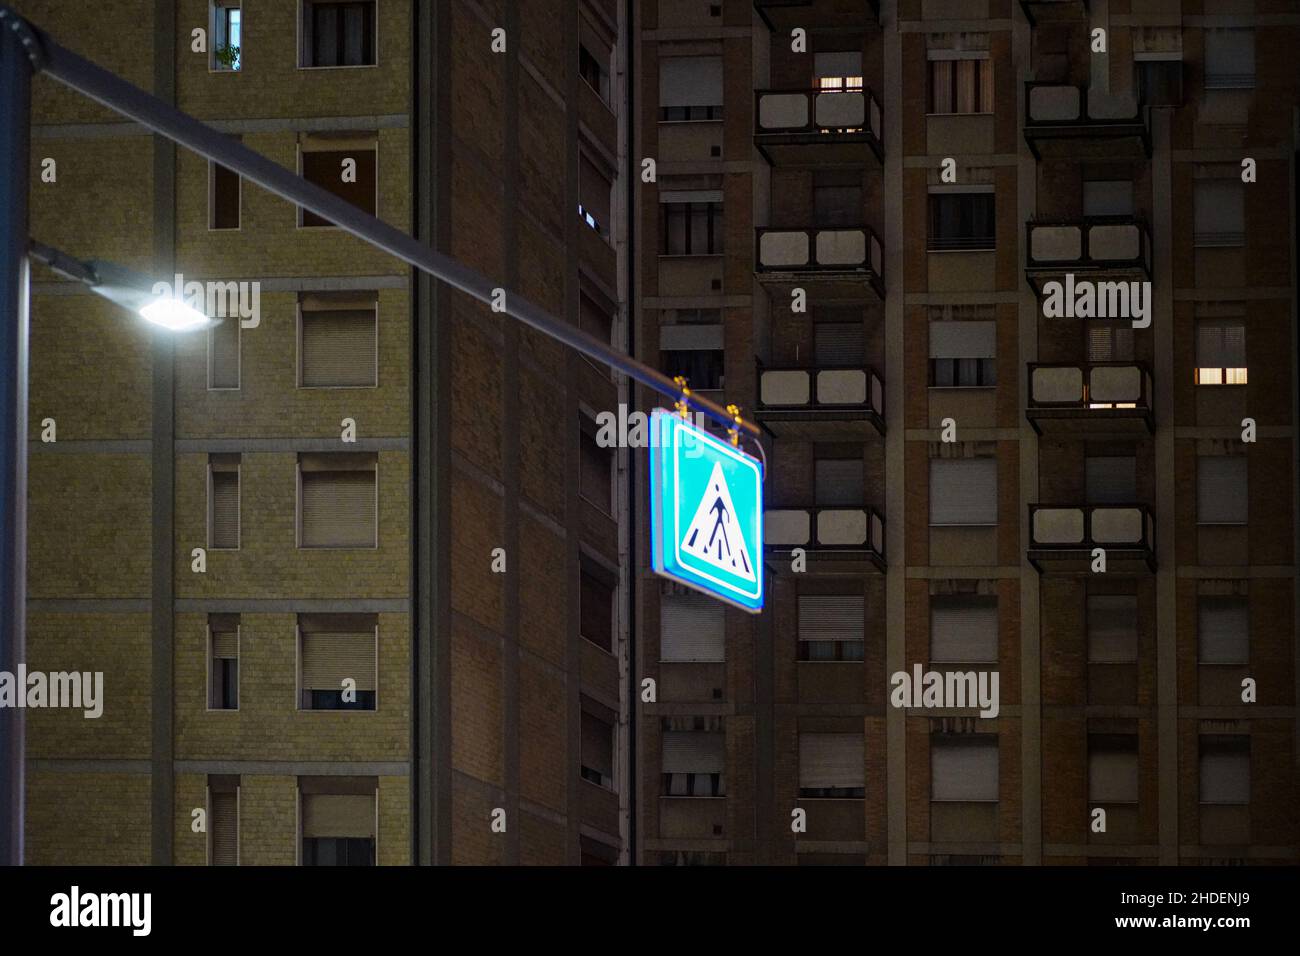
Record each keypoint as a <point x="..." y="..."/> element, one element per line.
<point x="714" y="535"/>
<point x="706" y="509"/>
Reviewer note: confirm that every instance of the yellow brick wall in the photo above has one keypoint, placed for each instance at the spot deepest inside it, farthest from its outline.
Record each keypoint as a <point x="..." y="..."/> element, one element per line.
<point x="83" y="819"/>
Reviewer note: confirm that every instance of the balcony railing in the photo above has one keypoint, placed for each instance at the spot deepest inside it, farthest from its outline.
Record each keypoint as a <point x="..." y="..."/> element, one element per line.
<point x="1088" y="243"/>
<point x="1070" y="529"/>
<point x="1093" y="390"/>
<point x="820" y="387"/>
<point x="813" y="118"/>
<point x="1058" y="111"/>
<point x="835" y="251"/>
<point x="826" y="529"/>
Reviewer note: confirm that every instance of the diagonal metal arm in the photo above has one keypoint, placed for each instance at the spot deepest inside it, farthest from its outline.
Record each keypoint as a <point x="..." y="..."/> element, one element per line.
<point x="115" y="93"/>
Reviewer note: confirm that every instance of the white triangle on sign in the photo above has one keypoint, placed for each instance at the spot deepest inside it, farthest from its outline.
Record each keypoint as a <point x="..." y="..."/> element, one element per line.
<point x="714" y="535"/>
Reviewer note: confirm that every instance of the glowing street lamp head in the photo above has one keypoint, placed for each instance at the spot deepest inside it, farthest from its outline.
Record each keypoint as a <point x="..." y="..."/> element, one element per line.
<point x="173" y="313"/>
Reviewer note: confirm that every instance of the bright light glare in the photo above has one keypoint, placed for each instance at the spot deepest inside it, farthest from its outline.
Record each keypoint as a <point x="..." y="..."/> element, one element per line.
<point x="174" y="314"/>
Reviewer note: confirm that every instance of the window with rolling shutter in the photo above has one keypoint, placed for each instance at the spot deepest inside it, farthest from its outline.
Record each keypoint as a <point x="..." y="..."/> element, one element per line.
<point x="838" y="344"/>
<point x="692" y="627"/>
<point x="595" y="319"/>
<point x="963" y="491"/>
<point x="1223" y="630"/>
<point x="223" y="502"/>
<point x="594" y="188"/>
<point x="836" y="70"/>
<point x="223" y="824"/>
<point x="337" y="505"/>
<point x="690" y="88"/>
<point x="334" y="649"/>
<point x="964" y="768"/>
<point x="597" y="750"/>
<point x="1221" y="353"/>
<point x="595" y="478"/>
<point x="1218" y="209"/>
<point x="1112" y="768"/>
<point x="1112" y="628"/>
<point x="832" y="765"/>
<point x="1109" y="342"/>
<point x="338" y="829"/>
<point x="223" y="662"/>
<point x="1110" y="479"/>
<point x="1221" y="492"/>
<point x="963" y="628"/>
<point x="831" y="627"/>
<point x="596" y="596"/>
<point x="223" y="354"/>
<point x="325" y="168"/>
<point x="338" y="342"/>
<point x="1229" y="59"/>
<point x="963" y="354"/>
<point x="1108" y="197"/>
<point x="1225" y="769"/>
<point x="694" y="763"/>
<point x="839" y="482"/>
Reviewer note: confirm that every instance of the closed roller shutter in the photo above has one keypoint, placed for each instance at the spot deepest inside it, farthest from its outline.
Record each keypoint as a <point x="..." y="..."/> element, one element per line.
<point x="963" y="491"/>
<point x="225" y="829"/>
<point x="694" y="751"/>
<point x="1111" y="479"/>
<point x="1225" y="769"/>
<point x="839" y="481"/>
<point x="338" y="509"/>
<point x="839" y="343"/>
<point x="1223" y="630"/>
<point x="328" y="658"/>
<point x="338" y="349"/>
<point x="964" y="768"/>
<point x="225" y="509"/>
<point x="1112" y="770"/>
<point x="338" y="815"/>
<point x="223" y="354"/>
<point x="1112" y="628"/>
<point x="1220" y="345"/>
<point x="598" y="745"/>
<point x="691" y="628"/>
<point x="225" y="644"/>
<point x="1221" y="489"/>
<point x="690" y="81"/>
<point x="963" y="340"/>
<point x="831" y="617"/>
<point x="831" y="760"/>
<point x="963" y="628"/>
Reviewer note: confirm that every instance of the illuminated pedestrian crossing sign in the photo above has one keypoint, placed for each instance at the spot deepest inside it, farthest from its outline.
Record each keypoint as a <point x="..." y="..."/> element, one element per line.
<point x="706" y="512"/>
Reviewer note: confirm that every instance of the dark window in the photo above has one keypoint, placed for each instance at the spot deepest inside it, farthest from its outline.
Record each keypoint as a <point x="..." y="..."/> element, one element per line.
<point x="694" y="785"/>
<point x="961" y="221"/>
<point x="338" y="851"/>
<point x="597" y="611"/>
<point x="680" y="113"/>
<point x="333" y="700"/>
<point x="963" y="372"/>
<point x="831" y="650"/>
<point x="596" y="464"/>
<point x="225" y="198"/>
<point x="703" y="368"/>
<point x="225" y="683"/>
<point x="338" y="34"/>
<point x="692" y="228"/>
<point x="326" y="168"/>
<point x="961" y="86"/>
<point x="1160" y="82"/>
<point x="593" y="71"/>
<point x="837" y="199"/>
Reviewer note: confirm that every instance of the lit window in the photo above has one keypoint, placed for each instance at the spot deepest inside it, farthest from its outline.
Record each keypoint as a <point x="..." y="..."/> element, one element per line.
<point x="1221" y="353"/>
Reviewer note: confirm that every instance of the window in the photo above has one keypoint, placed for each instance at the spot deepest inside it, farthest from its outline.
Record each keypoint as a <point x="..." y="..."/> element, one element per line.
<point x="964" y="768"/>
<point x="961" y="221"/>
<point x="692" y="228"/>
<point x="1229" y="59"/>
<point x="1221" y="352"/>
<point x="1218" y="209"/>
<point x="597" y="468"/>
<point x="1221" y="490"/>
<point x="594" y="189"/>
<point x="597" y="606"/>
<point x="963" y="354"/>
<point x="338" y="340"/>
<point x="697" y="316"/>
<point x="1111" y="479"/>
<point x="831" y="627"/>
<point x="837" y="199"/>
<point x="963" y="628"/>
<point x="338" y="822"/>
<point x="346" y="166"/>
<point x="223" y="196"/>
<point x="226" y="40"/>
<point x="1111" y="620"/>
<point x="690" y="88"/>
<point x="963" y="491"/>
<point x="593" y="67"/>
<point x="223" y="820"/>
<point x="1112" y="768"/>
<point x="1225" y="769"/>
<point x="1109" y="341"/>
<point x="832" y="765"/>
<point x="223" y="662"/>
<point x="1160" y="82"/>
<point x="1108" y="197"/>
<point x="839" y="482"/>
<point x="336" y="500"/>
<point x="838" y="71"/>
<point x="223" y="502"/>
<point x="704" y="368"/>
<point x="694" y="763"/>
<point x="961" y="86"/>
<point x="223" y="354"/>
<point x="336" y="661"/>
<point x="838" y="343"/>
<point x="597" y="746"/>
<point x="692" y="627"/>
<point x="338" y="34"/>
<point x="595" y="319"/>
<point x="1223" y="630"/>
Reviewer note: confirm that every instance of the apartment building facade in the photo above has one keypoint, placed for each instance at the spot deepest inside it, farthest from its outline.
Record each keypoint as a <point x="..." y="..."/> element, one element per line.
<point x="353" y="568"/>
<point x="865" y="222"/>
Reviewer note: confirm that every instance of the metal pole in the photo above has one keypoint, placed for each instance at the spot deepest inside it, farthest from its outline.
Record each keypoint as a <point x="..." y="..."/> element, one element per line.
<point x="15" y="159"/>
<point x="120" y="96"/>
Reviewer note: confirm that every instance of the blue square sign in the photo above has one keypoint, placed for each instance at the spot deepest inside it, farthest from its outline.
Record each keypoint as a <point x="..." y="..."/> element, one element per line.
<point x="706" y="512"/>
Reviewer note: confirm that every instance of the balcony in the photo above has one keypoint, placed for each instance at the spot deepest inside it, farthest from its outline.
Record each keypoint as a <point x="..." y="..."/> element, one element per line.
<point x="1052" y="11"/>
<point x="836" y="263"/>
<point x="846" y="539"/>
<point x="1090" y="399"/>
<point x="1062" y="538"/>
<point x="1116" y="247"/>
<point x="1074" y="122"/>
<point x="816" y="127"/>
<point x="821" y="403"/>
<point x="783" y="15"/>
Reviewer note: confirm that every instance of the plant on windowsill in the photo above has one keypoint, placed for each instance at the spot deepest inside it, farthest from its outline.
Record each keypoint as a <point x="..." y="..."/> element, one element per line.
<point x="227" y="56"/>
